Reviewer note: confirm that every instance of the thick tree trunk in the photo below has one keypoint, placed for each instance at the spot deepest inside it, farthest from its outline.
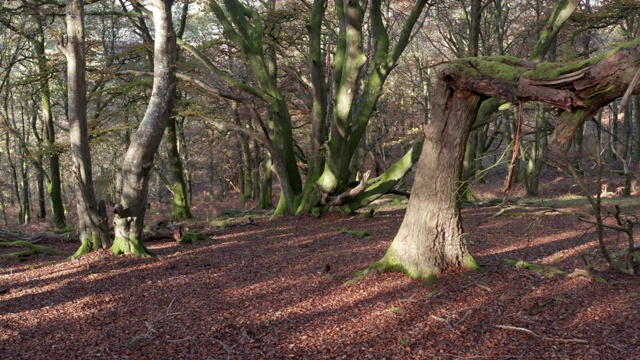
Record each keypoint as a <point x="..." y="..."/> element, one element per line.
<point x="430" y="238"/>
<point x="93" y="225"/>
<point x="134" y="178"/>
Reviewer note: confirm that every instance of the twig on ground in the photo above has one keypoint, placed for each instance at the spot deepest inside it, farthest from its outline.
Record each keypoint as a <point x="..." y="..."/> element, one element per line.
<point x="527" y="331"/>
<point x="447" y="323"/>
<point x="515" y="328"/>
<point x="150" y="323"/>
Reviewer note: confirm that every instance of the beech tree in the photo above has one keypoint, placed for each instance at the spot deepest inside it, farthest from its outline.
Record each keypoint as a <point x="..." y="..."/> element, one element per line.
<point x="430" y="238"/>
<point x="133" y="181"/>
<point x="93" y="225"/>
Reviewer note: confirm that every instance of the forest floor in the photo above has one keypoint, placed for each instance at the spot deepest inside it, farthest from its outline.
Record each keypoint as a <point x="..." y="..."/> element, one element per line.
<point x="260" y="289"/>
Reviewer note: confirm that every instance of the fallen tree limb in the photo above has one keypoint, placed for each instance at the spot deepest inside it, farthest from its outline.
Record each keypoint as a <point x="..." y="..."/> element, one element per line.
<point x="349" y="194"/>
<point x="32" y="249"/>
<point x="9" y="237"/>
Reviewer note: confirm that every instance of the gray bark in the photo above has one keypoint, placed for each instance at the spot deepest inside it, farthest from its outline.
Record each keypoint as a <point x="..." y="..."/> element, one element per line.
<point x="134" y="175"/>
<point x="93" y="225"/>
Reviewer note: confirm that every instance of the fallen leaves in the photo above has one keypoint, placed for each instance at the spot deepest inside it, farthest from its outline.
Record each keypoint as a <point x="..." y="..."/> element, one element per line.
<point x="262" y="292"/>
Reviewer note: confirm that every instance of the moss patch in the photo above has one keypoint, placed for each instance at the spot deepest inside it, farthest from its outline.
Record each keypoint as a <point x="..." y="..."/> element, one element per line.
<point x="192" y="236"/>
<point x="364" y="234"/>
<point x="540" y="269"/>
<point x="129" y="246"/>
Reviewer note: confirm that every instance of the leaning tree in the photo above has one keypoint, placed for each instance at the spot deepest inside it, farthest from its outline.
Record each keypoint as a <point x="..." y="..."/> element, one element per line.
<point x="133" y="182"/>
<point x="430" y="238"/>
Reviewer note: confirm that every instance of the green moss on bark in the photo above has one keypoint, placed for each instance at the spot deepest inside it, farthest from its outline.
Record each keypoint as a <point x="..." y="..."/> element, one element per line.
<point x="191" y="237"/>
<point x="122" y="245"/>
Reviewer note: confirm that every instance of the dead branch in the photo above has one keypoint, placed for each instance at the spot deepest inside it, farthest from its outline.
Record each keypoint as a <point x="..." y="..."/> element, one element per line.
<point x="349" y="194"/>
<point x="445" y="321"/>
<point x="527" y="331"/>
<point x="151" y="331"/>
<point x="515" y="328"/>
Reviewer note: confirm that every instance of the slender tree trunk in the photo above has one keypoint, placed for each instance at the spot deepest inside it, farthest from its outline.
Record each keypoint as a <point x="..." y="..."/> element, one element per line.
<point x="255" y="173"/>
<point x="180" y="208"/>
<point x="430" y="238"/>
<point x="266" y="201"/>
<point x="26" y="193"/>
<point x="245" y="180"/>
<point x="534" y="164"/>
<point x="93" y="224"/>
<point x="42" y="202"/>
<point x="315" y="161"/>
<point x="14" y="178"/>
<point x="55" y="183"/>
<point x="134" y="177"/>
<point x="41" y="175"/>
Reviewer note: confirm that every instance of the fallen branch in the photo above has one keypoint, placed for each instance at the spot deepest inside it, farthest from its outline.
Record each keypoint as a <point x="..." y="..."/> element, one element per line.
<point x="445" y="321"/>
<point x="527" y="331"/>
<point x="32" y="249"/>
<point x="349" y="194"/>
<point x="151" y="331"/>
<point x="11" y="237"/>
<point x="515" y="328"/>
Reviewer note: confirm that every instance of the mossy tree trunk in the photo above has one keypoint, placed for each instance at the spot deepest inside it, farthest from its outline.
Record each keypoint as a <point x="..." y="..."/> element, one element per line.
<point x="385" y="182"/>
<point x="55" y="183"/>
<point x="180" y="208"/>
<point x="134" y="176"/>
<point x="244" y="27"/>
<point x="93" y="224"/>
<point x="430" y="239"/>
<point x="533" y="166"/>
<point x="356" y="90"/>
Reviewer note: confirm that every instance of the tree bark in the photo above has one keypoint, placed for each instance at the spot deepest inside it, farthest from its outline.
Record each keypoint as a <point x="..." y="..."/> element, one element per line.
<point x="93" y="225"/>
<point x="55" y="184"/>
<point x="180" y="208"/>
<point x="430" y="238"/>
<point x="355" y="104"/>
<point x="134" y="176"/>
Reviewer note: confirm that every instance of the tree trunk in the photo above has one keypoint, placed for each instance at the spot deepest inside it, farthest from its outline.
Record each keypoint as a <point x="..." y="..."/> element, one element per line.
<point x="357" y="91"/>
<point x="93" y="224"/>
<point x="14" y="177"/>
<point x="55" y="183"/>
<point x="265" y="201"/>
<point x="430" y="238"/>
<point x="536" y="153"/>
<point x="26" y="192"/>
<point x="134" y="177"/>
<point x="180" y="208"/>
